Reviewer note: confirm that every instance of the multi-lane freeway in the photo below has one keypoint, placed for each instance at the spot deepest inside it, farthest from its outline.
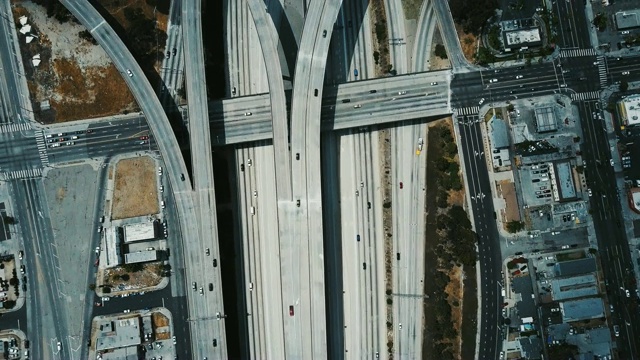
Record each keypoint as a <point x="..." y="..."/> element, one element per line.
<point x="293" y="195"/>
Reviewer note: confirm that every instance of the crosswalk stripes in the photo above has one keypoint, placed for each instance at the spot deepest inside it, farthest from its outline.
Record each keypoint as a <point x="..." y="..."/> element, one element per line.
<point x="578" y="52"/>
<point x="42" y="148"/>
<point x="469" y="110"/>
<point x="591" y="95"/>
<point x="602" y="71"/>
<point x="13" y="127"/>
<point x="21" y="174"/>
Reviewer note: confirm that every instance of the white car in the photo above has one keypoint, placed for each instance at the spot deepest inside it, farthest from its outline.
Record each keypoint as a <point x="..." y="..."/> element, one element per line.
<point x="625" y="73"/>
<point x="481" y="101"/>
<point x="627" y="292"/>
<point x="129" y="73"/>
<point x="247" y="113"/>
<point x="357" y="106"/>
<point x="174" y="340"/>
<point x="404" y="92"/>
<point x="59" y="346"/>
<point x="611" y="162"/>
<point x="493" y="80"/>
<point x="127" y="311"/>
<point x="589" y="191"/>
<point x="519" y="77"/>
<point x="434" y="83"/>
<point x="626" y="32"/>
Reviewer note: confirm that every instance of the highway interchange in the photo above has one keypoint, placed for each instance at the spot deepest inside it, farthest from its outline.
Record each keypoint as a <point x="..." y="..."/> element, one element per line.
<point x="300" y="278"/>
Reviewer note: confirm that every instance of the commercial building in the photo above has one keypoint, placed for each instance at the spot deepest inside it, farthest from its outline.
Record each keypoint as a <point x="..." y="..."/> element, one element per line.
<point x="575" y="267"/>
<point x="141" y="256"/>
<point x="627" y="19"/>
<point x="520" y="34"/>
<point x="629" y="110"/>
<point x="112" y="253"/>
<point x="499" y="138"/>
<point x="583" y="309"/>
<point x="119" y="333"/>
<point x="563" y="183"/>
<point x="139" y="232"/>
<point x="574" y="287"/>
<point x="545" y="119"/>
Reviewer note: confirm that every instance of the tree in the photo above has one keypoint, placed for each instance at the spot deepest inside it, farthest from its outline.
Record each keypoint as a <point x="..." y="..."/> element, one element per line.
<point x="440" y="51"/>
<point x="132" y="267"/>
<point x="86" y="35"/>
<point x="624" y="86"/>
<point x="515" y="226"/>
<point x="484" y="56"/>
<point x="376" y="57"/>
<point x="125" y="277"/>
<point x="9" y="220"/>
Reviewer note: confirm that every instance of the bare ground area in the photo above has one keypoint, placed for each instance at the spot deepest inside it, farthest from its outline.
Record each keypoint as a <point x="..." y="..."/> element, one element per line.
<point x="74" y="76"/>
<point x="161" y="326"/>
<point x="412" y="9"/>
<point x="147" y="277"/>
<point x="135" y="192"/>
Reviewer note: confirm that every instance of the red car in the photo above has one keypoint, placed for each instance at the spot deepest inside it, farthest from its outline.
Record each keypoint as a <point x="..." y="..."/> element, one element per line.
<point x="291" y="310"/>
<point x="400" y="184"/>
<point x="144" y="137"/>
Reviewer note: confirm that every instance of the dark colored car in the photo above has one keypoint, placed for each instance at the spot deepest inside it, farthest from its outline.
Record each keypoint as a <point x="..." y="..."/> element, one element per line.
<point x="401" y="185"/>
<point x="291" y="310"/>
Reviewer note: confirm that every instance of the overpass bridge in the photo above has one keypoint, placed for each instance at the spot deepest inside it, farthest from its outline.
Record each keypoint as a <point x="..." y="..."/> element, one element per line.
<point x="348" y="105"/>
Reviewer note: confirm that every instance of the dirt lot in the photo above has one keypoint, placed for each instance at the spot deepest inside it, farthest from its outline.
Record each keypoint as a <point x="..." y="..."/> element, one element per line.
<point x="159" y="320"/>
<point x="135" y="192"/>
<point x="75" y="76"/>
<point x="147" y="277"/>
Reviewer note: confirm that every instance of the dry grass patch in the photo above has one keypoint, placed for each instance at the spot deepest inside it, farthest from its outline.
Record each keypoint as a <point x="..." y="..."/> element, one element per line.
<point x="135" y="192"/>
<point x="91" y="93"/>
<point x="116" y="9"/>
<point x="159" y="320"/>
<point x="468" y="42"/>
<point x="455" y="291"/>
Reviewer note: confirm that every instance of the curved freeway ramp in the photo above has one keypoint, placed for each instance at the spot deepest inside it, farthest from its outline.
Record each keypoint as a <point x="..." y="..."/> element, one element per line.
<point x="146" y="98"/>
<point x="202" y="308"/>
<point x="267" y="34"/>
<point x="301" y="227"/>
